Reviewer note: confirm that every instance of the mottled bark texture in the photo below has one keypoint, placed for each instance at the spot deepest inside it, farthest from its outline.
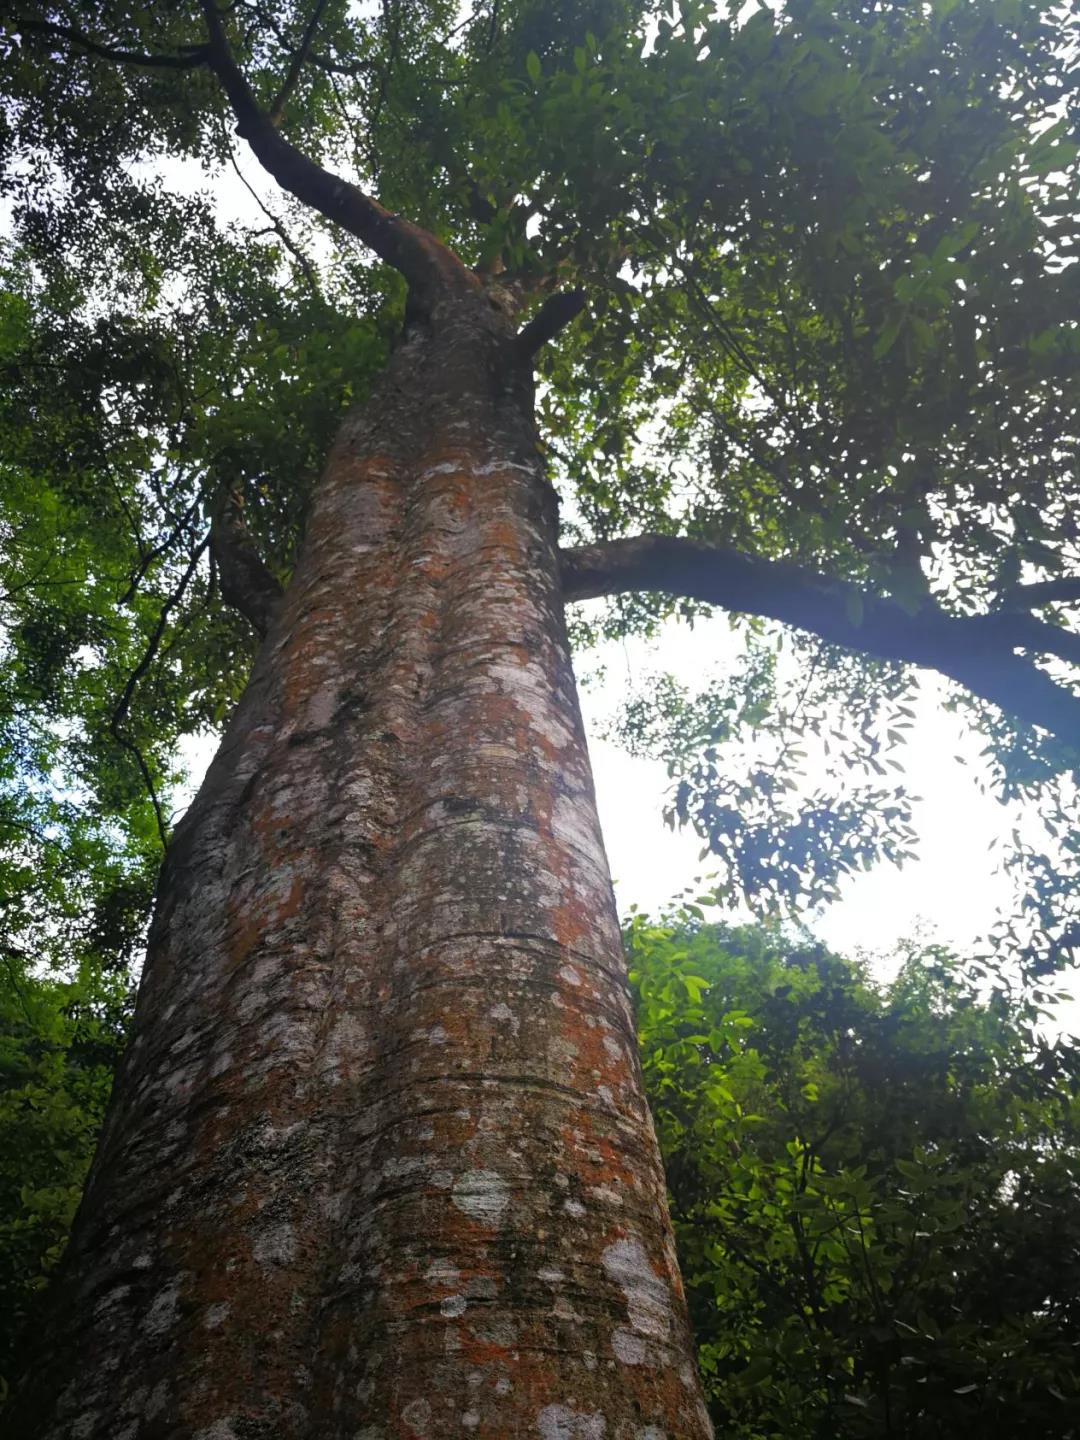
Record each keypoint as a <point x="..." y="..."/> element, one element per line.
<point x="379" y="1164"/>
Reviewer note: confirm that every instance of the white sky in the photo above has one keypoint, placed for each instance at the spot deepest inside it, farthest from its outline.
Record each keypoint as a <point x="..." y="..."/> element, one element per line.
<point x="951" y="889"/>
<point x="950" y="894"/>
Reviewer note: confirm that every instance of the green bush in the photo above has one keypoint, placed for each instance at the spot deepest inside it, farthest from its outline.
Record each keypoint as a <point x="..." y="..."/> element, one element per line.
<point x="874" y="1187"/>
<point x="59" y="1045"/>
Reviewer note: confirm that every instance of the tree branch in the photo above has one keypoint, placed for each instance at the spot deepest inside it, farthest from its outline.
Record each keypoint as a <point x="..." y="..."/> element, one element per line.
<point x="554" y="315"/>
<point x="1063" y="591"/>
<point x="429" y="266"/>
<point x="123" y="705"/>
<point x="193" y="55"/>
<point x="1024" y="632"/>
<point x="277" y="108"/>
<point x="977" y="651"/>
<point x="276" y="225"/>
<point x="158" y="550"/>
<point x="246" y="583"/>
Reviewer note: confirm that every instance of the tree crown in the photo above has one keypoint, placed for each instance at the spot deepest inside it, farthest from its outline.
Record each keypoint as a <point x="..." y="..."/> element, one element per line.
<point x="823" y="368"/>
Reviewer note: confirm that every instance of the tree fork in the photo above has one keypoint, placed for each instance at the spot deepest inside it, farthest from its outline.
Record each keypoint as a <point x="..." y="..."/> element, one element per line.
<point x="247" y="583"/>
<point x="379" y="1163"/>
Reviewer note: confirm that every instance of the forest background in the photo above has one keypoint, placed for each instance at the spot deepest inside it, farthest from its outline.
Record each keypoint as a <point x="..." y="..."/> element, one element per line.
<point x="747" y="1034"/>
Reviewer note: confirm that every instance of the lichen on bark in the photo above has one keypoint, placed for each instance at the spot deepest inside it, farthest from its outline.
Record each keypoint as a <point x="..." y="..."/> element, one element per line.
<point x="379" y="1162"/>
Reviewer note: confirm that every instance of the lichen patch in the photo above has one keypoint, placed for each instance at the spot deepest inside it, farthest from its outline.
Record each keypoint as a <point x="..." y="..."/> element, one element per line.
<point x="648" y="1303"/>
<point x="629" y="1347"/>
<point x="483" y="1195"/>
<point x="276" y="1245"/>
<point x="560" y="1422"/>
<point x="417" y="1416"/>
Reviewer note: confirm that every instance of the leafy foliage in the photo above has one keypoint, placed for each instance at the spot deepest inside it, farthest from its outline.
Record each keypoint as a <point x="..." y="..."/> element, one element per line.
<point x="59" y="1045"/>
<point x="774" y="837"/>
<point x="875" y="1188"/>
<point x="830" y="257"/>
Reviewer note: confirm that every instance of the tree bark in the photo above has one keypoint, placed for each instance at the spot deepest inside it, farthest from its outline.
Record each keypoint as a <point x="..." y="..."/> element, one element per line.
<point x="379" y="1163"/>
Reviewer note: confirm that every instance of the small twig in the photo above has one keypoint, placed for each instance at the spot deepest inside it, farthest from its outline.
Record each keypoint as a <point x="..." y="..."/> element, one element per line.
<point x="343" y="111"/>
<point x="324" y="62"/>
<point x="126" y="743"/>
<point x="276" y="226"/>
<point x="392" y="24"/>
<point x="151" y="555"/>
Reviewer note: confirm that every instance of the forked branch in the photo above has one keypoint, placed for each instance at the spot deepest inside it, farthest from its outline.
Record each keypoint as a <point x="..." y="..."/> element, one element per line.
<point x="246" y="582"/>
<point x="979" y="652"/>
<point x="296" y="65"/>
<point x="429" y="266"/>
<point x="190" y="56"/>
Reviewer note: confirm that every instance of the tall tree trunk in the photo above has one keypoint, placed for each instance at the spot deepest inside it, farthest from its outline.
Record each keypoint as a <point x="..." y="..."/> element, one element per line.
<point x="379" y="1164"/>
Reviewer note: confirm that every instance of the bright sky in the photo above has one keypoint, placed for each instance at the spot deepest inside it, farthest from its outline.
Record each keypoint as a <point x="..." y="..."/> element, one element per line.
<point x="952" y="887"/>
<point x="949" y="894"/>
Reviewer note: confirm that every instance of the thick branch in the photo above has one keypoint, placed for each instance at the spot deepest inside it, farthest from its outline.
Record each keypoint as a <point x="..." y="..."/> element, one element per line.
<point x="192" y="56"/>
<point x="1063" y="591"/>
<point x="554" y="315"/>
<point x="1024" y="632"/>
<point x="977" y="651"/>
<point x="427" y="264"/>
<point x="246" y="583"/>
